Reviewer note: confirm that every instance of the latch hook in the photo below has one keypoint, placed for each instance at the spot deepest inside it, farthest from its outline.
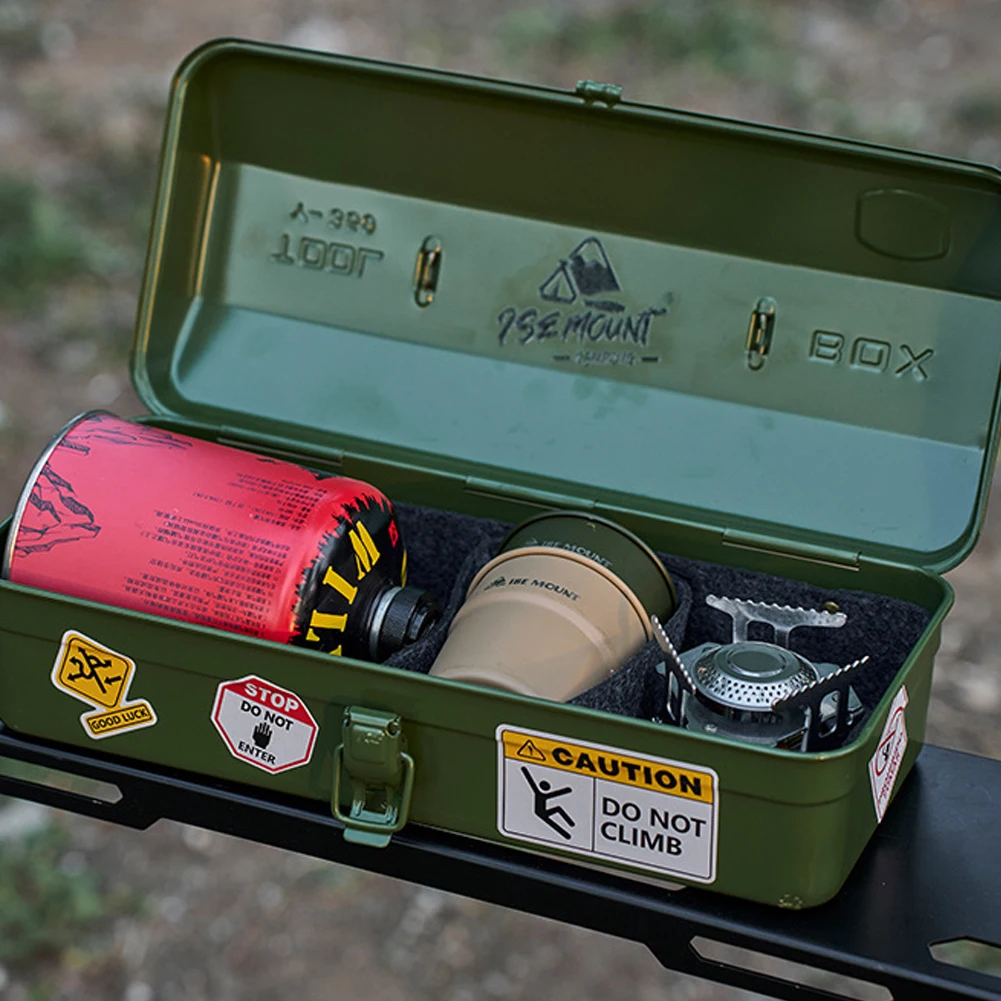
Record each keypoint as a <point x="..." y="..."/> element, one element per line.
<point x="381" y="773"/>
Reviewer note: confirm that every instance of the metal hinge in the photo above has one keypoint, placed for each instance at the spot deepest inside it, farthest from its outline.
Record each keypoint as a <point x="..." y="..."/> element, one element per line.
<point x="590" y="90"/>
<point x="317" y="458"/>
<point x="527" y="495"/>
<point x="381" y="776"/>
<point x="794" y="550"/>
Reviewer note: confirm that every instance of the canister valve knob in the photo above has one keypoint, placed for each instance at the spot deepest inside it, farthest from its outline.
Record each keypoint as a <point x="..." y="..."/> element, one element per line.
<point x="400" y="616"/>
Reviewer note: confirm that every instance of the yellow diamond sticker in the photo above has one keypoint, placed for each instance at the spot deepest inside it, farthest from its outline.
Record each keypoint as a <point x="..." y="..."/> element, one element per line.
<point x="100" y="676"/>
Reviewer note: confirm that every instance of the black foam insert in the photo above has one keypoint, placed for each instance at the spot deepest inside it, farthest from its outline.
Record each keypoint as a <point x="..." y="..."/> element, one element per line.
<point x="445" y="551"/>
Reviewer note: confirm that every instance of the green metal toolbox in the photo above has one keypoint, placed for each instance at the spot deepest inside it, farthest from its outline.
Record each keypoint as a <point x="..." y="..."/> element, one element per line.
<point x="772" y="356"/>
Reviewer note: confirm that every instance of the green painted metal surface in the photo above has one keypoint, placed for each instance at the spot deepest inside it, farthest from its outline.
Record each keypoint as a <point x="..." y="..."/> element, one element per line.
<point x="622" y="552"/>
<point x="298" y="191"/>
<point x="579" y="339"/>
<point x="802" y="818"/>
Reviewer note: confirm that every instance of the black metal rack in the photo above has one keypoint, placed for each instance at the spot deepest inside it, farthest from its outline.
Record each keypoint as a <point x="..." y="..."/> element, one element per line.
<point x="931" y="873"/>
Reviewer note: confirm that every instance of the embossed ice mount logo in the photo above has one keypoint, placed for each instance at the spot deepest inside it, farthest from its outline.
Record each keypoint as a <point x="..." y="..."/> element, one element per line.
<point x="582" y="306"/>
<point x="587" y="272"/>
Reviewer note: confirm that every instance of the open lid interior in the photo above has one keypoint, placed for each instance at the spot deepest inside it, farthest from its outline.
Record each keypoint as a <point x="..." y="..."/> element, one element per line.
<point x="530" y="287"/>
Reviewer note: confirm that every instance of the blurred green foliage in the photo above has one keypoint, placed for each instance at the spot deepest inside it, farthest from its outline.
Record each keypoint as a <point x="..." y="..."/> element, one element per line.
<point x="38" y="242"/>
<point x="731" y="36"/>
<point x="45" y="907"/>
<point x="979" y="111"/>
<point x="20" y="30"/>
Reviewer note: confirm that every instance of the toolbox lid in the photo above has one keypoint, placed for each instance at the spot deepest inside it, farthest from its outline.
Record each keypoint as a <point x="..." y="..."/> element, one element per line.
<point x="780" y="335"/>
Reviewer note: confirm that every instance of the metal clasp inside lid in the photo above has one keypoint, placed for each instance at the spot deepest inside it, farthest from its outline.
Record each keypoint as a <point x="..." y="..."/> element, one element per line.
<point x="759" y="332"/>
<point x="381" y="774"/>
<point x="427" y="270"/>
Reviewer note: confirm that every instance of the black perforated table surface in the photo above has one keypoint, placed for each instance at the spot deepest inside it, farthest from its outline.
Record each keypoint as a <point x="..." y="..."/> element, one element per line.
<point x="931" y="873"/>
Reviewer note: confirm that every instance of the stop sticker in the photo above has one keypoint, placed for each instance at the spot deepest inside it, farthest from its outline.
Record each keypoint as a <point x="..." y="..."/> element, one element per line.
<point x="263" y="724"/>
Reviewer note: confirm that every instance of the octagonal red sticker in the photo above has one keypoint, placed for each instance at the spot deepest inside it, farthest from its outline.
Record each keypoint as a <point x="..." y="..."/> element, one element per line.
<point x="263" y="724"/>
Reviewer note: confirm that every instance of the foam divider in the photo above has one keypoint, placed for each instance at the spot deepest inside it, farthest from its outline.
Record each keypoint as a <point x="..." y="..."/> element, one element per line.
<point x="445" y="551"/>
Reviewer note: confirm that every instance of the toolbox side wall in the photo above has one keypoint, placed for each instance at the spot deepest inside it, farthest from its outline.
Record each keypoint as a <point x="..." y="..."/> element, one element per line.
<point x="804" y="818"/>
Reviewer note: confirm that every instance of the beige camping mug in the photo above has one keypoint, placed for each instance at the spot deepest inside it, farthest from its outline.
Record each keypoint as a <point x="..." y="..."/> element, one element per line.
<point x="564" y="605"/>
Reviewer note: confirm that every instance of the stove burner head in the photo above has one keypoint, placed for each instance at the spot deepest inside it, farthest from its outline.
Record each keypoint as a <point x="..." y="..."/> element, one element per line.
<point x="757" y="692"/>
<point x="750" y="677"/>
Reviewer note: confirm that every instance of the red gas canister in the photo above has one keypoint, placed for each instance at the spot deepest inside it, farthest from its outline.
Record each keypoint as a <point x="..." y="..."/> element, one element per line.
<point x="142" y="518"/>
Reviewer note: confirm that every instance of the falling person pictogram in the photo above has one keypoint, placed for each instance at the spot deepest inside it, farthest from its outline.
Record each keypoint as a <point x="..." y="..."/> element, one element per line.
<point x="542" y="795"/>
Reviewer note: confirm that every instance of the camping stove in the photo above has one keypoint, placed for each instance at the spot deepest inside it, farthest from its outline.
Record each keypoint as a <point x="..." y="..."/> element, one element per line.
<point x="759" y="692"/>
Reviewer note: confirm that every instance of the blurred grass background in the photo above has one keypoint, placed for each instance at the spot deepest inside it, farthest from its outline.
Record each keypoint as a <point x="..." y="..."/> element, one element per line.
<point x="88" y="911"/>
<point x="84" y="82"/>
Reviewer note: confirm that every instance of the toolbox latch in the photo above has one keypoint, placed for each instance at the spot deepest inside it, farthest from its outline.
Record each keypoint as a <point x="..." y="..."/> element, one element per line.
<point x="381" y="776"/>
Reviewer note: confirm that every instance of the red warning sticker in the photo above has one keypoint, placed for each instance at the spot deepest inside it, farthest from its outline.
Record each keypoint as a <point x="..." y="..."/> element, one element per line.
<point x="263" y="724"/>
<point x="885" y="763"/>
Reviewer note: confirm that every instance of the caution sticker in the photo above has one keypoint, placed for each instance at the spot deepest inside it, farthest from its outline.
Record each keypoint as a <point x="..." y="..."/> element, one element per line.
<point x="100" y="676"/>
<point x="605" y="803"/>
<point x="263" y="724"/>
<point x="885" y="763"/>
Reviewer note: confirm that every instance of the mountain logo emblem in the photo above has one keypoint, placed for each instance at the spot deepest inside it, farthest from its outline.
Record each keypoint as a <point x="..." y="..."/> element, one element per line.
<point x="587" y="273"/>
